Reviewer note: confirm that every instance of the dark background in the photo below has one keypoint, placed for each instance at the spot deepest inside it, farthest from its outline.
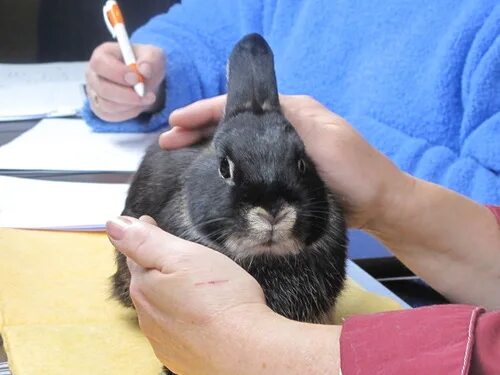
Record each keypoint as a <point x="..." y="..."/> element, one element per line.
<point x="63" y="30"/>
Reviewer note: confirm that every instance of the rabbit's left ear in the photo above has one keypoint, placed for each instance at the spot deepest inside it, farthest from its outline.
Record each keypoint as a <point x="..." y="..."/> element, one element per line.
<point x="251" y="77"/>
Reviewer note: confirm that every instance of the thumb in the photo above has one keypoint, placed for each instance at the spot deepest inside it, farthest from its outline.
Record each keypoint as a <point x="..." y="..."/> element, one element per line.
<point x="144" y="243"/>
<point x="200" y="114"/>
<point x="146" y="70"/>
<point x="150" y="62"/>
<point x="310" y="118"/>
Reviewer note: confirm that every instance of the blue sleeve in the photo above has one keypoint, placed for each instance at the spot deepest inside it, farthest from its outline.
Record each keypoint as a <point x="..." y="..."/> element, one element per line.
<point x="475" y="169"/>
<point x="196" y="39"/>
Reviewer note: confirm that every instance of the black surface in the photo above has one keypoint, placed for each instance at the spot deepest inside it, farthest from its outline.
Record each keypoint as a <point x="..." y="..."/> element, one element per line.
<point x="384" y="267"/>
<point x="396" y="277"/>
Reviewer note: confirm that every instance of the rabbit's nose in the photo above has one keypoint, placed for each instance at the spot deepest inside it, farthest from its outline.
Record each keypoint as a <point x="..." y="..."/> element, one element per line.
<point x="273" y="219"/>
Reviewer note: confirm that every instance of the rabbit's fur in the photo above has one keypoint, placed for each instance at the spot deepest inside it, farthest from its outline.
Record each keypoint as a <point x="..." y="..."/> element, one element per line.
<point x="252" y="193"/>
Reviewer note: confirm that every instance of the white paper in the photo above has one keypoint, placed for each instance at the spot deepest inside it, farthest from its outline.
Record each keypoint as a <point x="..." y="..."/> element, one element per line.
<point x="70" y="145"/>
<point x="12" y="74"/>
<point x="41" y="90"/>
<point x="39" y="204"/>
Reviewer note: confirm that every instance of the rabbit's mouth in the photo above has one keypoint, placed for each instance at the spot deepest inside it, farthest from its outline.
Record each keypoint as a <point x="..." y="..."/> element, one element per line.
<point x="277" y="246"/>
<point x="241" y="247"/>
<point x="267" y="234"/>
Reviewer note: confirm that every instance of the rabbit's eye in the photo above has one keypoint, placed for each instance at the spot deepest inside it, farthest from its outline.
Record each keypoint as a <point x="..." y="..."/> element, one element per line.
<point x="301" y="165"/>
<point x="226" y="168"/>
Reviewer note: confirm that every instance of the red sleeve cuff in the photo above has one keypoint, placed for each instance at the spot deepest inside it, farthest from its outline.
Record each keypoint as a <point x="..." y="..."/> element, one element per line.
<point x="486" y="356"/>
<point x="428" y="340"/>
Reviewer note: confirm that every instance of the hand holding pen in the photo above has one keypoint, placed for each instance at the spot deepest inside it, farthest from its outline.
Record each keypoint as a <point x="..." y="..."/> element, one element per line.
<point x="114" y="83"/>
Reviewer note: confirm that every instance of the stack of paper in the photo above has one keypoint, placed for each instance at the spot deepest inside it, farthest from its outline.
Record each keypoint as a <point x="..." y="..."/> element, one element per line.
<point x="4" y="368"/>
<point x="70" y="145"/>
<point x="39" y="204"/>
<point x="32" y="91"/>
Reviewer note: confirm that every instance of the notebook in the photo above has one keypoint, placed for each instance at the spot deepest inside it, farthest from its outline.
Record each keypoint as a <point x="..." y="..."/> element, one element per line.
<point x="35" y="91"/>
<point x="56" y="205"/>
<point x="70" y="145"/>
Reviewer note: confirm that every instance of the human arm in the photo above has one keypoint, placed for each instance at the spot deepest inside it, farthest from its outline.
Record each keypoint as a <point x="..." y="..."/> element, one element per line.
<point x="450" y="241"/>
<point x="204" y="314"/>
<point x="431" y="229"/>
<point x="195" y="41"/>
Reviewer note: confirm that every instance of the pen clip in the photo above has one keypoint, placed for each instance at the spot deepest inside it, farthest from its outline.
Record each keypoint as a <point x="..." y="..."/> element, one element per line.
<point x="108" y="7"/>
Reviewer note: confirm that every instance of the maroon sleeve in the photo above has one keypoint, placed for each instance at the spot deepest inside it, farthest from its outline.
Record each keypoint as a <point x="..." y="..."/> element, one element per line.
<point x="486" y="356"/>
<point x="442" y="339"/>
<point x="496" y="212"/>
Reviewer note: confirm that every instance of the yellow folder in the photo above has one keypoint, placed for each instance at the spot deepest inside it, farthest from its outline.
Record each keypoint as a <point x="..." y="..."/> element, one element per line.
<point x="56" y="316"/>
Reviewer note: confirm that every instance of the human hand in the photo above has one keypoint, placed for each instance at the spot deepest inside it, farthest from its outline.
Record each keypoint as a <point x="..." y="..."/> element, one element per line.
<point x="110" y="82"/>
<point x="369" y="183"/>
<point x="186" y="295"/>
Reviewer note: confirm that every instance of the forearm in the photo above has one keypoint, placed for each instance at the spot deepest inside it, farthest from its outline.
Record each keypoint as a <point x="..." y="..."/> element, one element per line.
<point x="272" y="344"/>
<point x="450" y="241"/>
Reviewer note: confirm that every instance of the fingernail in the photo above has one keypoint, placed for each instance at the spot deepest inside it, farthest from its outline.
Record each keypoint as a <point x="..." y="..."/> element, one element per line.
<point x="131" y="78"/>
<point x="116" y="227"/>
<point x="146" y="70"/>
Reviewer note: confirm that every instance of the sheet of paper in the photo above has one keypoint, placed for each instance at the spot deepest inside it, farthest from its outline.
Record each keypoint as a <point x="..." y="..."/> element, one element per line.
<point x="39" y="204"/>
<point x="70" y="145"/>
<point x="13" y="74"/>
<point x="30" y="91"/>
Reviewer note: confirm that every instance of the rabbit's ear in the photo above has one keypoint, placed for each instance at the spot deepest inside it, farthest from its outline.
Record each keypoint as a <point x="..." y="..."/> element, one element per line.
<point x="251" y="78"/>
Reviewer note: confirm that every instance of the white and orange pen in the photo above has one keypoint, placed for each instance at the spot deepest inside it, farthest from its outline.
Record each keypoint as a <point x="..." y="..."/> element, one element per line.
<point x="116" y="26"/>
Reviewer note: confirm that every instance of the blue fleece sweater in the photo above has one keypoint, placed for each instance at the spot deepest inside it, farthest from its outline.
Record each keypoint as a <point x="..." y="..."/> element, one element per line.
<point x="419" y="80"/>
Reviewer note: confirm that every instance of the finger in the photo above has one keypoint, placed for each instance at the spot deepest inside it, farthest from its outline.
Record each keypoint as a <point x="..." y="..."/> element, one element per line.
<point x="308" y="116"/>
<point x="199" y="114"/>
<point x="107" y="62"/>
<point x="134" y="268"/>
<point x="95" y="105"/>
<point x="148" y="219"/>
<point x="114" y="117"/>
<point x="147" y="245"/>
<point x="152" y="55"/>
<point x="150" y="61"/>
<point x="151" y="65"/>
<point x="144" y="69"/>
<point x="117" y="93"/>
<point x="111" y="107"/>
<point x="179" y="137"/>
<point x="293" y="105"/>
<point x="307" y="106"/>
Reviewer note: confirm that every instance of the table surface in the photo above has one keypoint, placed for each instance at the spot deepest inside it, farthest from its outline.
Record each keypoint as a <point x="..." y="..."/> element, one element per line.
<point x="10" y="130"/>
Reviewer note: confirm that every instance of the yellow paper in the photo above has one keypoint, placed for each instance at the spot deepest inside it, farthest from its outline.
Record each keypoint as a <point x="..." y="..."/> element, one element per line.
<point x="56" y="316"/>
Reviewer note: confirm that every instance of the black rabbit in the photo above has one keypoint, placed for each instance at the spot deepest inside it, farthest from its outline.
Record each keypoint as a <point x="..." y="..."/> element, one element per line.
<point x="252" y="193"/>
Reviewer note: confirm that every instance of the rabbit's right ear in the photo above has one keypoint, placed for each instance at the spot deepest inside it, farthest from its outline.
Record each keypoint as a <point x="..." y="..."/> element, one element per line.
<point x="251" y="78"/>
